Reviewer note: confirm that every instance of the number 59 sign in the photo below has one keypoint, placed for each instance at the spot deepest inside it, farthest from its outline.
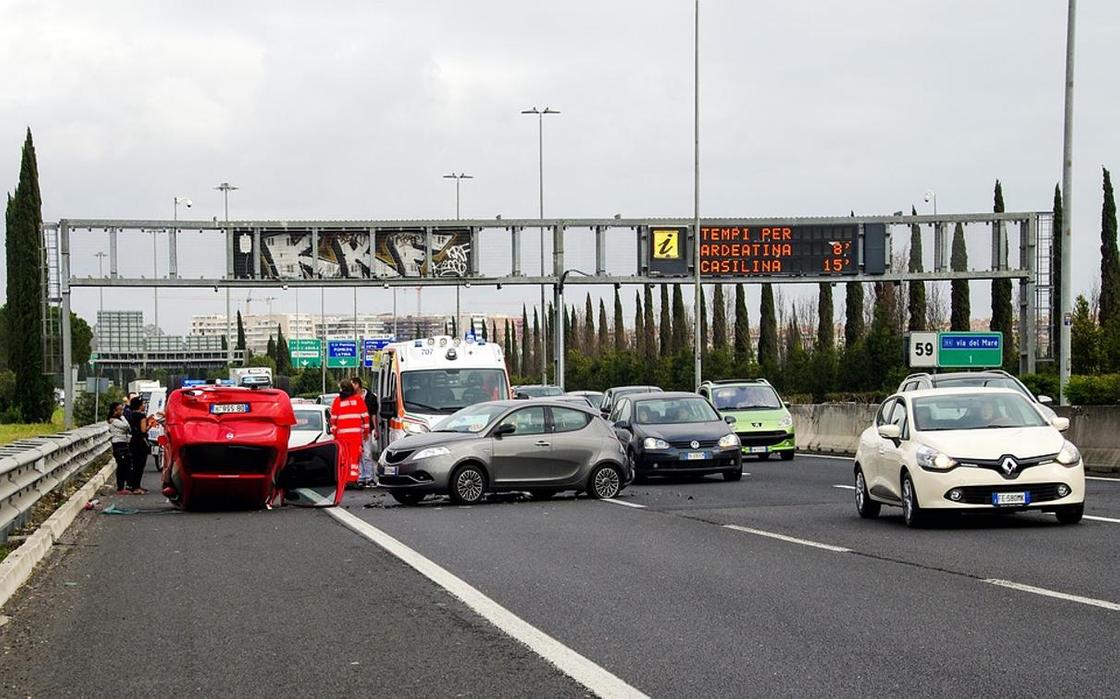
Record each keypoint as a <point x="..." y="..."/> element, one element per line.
<point x="923" y="349"/>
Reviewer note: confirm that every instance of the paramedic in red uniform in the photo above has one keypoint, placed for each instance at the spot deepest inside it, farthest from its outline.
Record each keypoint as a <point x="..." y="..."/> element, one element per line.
<point x="350" y="424"/>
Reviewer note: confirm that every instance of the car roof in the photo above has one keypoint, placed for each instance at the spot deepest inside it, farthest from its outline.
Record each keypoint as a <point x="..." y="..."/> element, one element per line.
<point x="635" y="387"/>
<point x="958" y="390"/>
<point x="661" y="395"/>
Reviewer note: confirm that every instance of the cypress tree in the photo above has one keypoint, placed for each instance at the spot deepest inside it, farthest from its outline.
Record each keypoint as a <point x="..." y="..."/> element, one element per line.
<point x="795" y="369"/>
<point x="485" y="330"/>
<point x="536" y="365"/>
<point x="768" y="360"/>
<point x="639" y="325"/>
<point x="1001" y="303"/>
<point x="1085" y="340"/>
<point x="853" y="314"/>
<point x="703" y="322"/>
<point x="505" y="345"/>
<point x="744" y="355"/>
<point x="681" y="338"/>
<point x="23" y="218"/>
<point x="826" y="332"/>
<point x="719" y="319"/>
<point x="283" y="358"/>
<point x="960" y="313"/>
<point x="604" y="342"/>
<point x="1056" y="279"/>
<point x="665" y="328"/>
<point x="884" y="343"/>
<point x="454" y="327"/>
<point x="240" y="333"/>
<point x="917" y="301"/>
<point x="1108" y="311"/>
<point x="526" y="345"/>
<point x="619" y="324"/>
<point x="514" y="351"/>
<point x="649" y="340"/>
<point x="572" y="328"/>
<point x="824" y="351"/>
<point x="588" y="340"/>
<point x="270" y="348"/>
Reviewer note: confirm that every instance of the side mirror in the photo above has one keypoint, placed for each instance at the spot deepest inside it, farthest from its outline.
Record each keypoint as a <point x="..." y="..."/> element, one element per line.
<point x="622" y="425"/>
<point x="729" y="419"/>
<point x="1045" y="400"/>
<point x="387" y="409"/>
<point x="1060" y="423"/>
<point x="785" y="403"/>
<point x="503" y="429"/>
<point x="522" y="396"/>
<point x="892" y="432"/>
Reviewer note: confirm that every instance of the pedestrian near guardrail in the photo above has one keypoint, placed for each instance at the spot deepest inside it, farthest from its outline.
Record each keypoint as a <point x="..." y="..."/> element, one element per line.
<point x="138" y="446"/>
<point x="120" y="434"/>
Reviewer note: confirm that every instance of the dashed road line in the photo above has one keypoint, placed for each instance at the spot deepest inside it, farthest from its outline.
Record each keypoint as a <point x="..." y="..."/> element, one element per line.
<point x="1102" y="519"/>
<point x="1103" y="604"/>
<point x="612" y="501"/>
<point x="845" y="487"/>
<point x="788" y="539"/>
<point x="1102" y="478"/>
<point x="824" y="456"/>
<point x="591" y="675"/>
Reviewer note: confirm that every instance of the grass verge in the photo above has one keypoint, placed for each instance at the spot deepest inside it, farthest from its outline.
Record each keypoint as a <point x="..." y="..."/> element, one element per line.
<point x="15" y="431"/>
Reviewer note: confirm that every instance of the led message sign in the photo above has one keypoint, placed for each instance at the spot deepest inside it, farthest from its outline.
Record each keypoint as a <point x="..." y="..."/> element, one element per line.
<point x="738" y="251"/>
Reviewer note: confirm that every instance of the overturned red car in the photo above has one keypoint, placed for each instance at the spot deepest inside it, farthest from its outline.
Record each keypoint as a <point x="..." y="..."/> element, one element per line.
<point x="228" y="447"/>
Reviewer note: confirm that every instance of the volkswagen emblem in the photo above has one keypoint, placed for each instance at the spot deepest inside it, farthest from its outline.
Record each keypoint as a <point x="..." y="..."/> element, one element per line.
<point x="694" y="444"/>
<point x="1009" y="465"/>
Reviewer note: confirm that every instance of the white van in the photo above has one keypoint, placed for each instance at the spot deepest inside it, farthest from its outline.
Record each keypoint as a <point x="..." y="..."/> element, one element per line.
<point x="422" y="381"/>
<point x="156" y="398"/>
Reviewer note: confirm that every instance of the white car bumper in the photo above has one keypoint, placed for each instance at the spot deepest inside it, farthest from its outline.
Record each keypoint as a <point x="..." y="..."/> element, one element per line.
<point x="979" y="488"/>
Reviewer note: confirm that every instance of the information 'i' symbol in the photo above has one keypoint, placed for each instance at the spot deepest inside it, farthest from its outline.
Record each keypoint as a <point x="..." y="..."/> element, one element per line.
<point x="666" y="244"/>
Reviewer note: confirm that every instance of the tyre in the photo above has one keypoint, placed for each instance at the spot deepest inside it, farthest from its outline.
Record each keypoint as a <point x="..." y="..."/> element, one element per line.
<point x="865" y="506"/>
<point x="542" y="494"/>
<point x="407" y="498"/>
<point x="765" y="456"/>
<point x="735" y="474"/>
<point x="1070" y="514"/>
<point x="911" y="511"/>
<point x="468" y="485"/>
<point x="604" y="483"/>
<point x="787" y="455"/>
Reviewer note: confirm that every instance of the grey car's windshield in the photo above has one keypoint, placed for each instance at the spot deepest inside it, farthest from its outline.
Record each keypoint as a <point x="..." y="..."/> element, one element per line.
<point x="745" y="398"/>
<point x="472" y="419"/>
<point x="447" y="390"/>
<point x="966" y="411"/>
<point x="980" y="382"/>
<point x="673" y="411"/>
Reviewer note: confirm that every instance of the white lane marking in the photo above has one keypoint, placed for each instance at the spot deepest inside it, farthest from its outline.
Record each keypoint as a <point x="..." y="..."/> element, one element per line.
<point x="590" y="675"/>
<point x="1103" y="604"/>
<point x="788" y="539"/>
<point x="845" y="487"/>
<point x="745" y="473"/>
<point x="825" y="456"/>
<point x="1102" y="519"/>
<point x="1101" y="478"/>
<point x="612" y="501"/>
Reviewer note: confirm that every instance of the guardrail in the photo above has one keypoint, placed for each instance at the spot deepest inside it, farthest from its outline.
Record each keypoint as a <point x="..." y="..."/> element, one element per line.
<point x="31" y="468"/>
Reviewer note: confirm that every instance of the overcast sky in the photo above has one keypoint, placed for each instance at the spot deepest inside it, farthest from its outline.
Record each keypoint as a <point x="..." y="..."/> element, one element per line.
<point x="355" y="110"/>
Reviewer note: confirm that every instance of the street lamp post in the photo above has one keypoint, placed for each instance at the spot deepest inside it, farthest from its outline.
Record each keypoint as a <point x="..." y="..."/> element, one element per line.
<point x="176" y="201"/>
<point x="100" y="255"/>
<point x="540" y="113"/>
<point x="1065" y="239"/>
<point x="698" y="341"/>
<point x="931" y="197"/>
<point x="225" y="188"/>
<point x="458" y="179"/>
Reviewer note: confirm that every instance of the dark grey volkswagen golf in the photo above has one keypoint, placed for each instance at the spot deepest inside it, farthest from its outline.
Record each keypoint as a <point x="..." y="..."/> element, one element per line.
<point x="542" y="447"/>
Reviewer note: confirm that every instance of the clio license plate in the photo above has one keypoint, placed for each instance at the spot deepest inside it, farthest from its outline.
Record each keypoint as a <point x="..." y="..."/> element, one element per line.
<point x="229" y="408"/>
<point x="1011" y="498"/>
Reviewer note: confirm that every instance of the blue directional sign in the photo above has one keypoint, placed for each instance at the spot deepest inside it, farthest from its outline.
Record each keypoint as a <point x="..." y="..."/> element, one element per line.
<point x="371" y="346"/>
<point x="342" y="354"/>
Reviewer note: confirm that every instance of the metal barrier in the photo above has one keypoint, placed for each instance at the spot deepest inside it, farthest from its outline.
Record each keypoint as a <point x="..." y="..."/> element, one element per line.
<point x="31" y="468"/>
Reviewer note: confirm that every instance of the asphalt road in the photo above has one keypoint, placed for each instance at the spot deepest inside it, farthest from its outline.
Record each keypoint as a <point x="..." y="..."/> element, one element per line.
<point x="656" y="589"/>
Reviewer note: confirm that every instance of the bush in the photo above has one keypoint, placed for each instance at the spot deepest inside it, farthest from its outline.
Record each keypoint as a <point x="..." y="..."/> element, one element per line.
<point x="83" y="406"/>
<point x="1094" y="390"/>
<point x="1041" y="384"/>
<point x="870" y="397"/>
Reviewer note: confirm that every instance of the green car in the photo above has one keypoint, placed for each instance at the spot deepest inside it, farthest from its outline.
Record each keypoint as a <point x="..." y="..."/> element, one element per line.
<point x="762" y="419"/>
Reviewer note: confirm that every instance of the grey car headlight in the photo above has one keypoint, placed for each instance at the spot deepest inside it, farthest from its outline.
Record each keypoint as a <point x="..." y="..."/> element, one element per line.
<point x="729" y="440"/>
<point x="431" y="451"/>
<point x="655" y="443"/>
<point x="1069" y="455"/>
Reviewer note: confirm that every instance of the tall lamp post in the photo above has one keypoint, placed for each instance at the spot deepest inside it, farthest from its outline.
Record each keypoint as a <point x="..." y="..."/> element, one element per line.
<point x="225" y="188"/>
<point x="698" y="341"/>
<point x="931" y="197"/>
<point x="176" y="201"/>
<point x="100" y="255"/>
<point x="540" y="114"/>
<point x="458" y="179"/>
<point x="1066" y="289"/>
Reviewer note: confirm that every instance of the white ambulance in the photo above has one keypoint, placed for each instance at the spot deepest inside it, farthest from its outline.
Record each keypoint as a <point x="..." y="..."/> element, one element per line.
<point x="422" y="381"/>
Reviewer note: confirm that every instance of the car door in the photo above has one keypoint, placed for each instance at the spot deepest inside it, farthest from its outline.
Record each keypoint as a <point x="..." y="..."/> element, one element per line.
<point x="623" y="413"/>
<point x="890" y="451"/>
<point x="573" y="445"/>
<point x="525" y="455"/>
<point x="872" y="447"/>
<point x="313" y="476"/>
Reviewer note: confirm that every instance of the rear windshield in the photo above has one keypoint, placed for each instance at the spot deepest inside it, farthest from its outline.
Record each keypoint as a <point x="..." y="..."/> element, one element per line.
<point x="745" y="398"/>
<point x="965" y="411"/>
<point x="311" y="420"/>
<point x="673" y="411"/>
<point x="540" y="391"/>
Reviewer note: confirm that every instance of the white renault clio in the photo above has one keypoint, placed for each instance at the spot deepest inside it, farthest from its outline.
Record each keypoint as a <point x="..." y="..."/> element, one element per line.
<point x="979" y="449"/>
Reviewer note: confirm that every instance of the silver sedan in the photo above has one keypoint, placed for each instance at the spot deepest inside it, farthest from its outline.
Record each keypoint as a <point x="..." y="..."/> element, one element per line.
<point x="542" y="447"/>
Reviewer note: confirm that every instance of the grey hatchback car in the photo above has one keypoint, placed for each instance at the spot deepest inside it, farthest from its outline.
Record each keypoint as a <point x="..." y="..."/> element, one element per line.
<point x="541" y="446"/>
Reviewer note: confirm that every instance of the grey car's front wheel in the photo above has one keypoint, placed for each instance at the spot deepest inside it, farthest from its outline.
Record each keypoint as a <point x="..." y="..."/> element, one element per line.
<point x="468" y="485"/>
<point x="604" y="483"/>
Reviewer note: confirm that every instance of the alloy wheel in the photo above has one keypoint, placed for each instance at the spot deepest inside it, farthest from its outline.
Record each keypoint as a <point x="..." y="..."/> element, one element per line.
<point x="469" y="485"/>
<point x="605" y="483"/>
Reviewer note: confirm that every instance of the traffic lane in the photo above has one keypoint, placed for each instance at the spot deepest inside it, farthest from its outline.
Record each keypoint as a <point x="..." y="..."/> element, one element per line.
<point x="247" y="604"/>
<point x="1026" y="547"/>
<point x="678" y="606"/>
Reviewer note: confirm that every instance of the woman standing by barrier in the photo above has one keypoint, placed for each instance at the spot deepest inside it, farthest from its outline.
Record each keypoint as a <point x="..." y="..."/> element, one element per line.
<point x="120" y="434"/>
<point x="138" y="446"/>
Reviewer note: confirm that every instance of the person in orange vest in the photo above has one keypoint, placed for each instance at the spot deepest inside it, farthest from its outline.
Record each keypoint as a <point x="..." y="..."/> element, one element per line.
<point x="351" y="426"/>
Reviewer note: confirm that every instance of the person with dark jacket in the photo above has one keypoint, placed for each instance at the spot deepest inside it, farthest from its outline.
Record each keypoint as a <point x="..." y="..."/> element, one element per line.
<point x="138" y="446"/>
<point x="368" y="471"/>
<point x="120" y="433"/>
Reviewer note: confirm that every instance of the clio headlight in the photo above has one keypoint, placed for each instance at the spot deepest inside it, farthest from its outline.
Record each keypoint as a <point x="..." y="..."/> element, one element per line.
<point x="1069" y="455"/>
<point x="654" y="443"/>
<point x="933" y="459"/>
<point x="729" y="440"/>
<point x="786" y="421"/>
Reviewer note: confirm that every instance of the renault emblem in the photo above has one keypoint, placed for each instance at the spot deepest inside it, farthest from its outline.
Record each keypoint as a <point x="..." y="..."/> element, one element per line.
<point x="229" y="435"/>
<point x="694" y="444"/>
<point x="1009" y="465"/>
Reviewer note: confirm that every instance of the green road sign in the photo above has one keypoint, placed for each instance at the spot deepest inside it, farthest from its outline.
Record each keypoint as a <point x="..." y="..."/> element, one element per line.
<point x="969" y="350"/>
<point x="306" y="353"/>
